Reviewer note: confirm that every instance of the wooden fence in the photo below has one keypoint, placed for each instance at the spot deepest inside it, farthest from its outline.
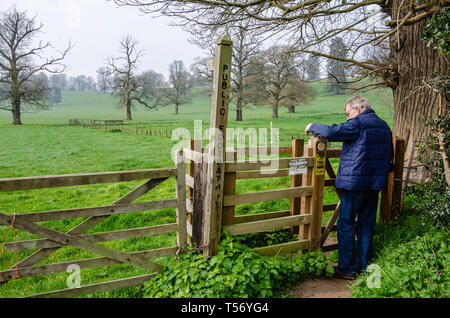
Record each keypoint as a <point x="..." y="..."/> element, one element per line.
<point x="305" y="194"/>
<point x="305" y="215"/>
<point x="52" y="240"/>
<point x="119" y="125"/>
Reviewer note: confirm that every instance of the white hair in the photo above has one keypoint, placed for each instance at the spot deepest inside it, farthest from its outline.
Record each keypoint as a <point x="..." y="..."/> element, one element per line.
<point x="357" y="101"/>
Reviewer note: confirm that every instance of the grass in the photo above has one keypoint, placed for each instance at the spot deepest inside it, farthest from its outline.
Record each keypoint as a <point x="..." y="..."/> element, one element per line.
<point x="412" y="258"/>
<point x="46" y="145"/>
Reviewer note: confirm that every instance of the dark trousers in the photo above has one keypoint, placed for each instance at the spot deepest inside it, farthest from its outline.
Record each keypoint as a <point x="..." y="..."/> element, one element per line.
<point x="360" y="204"/>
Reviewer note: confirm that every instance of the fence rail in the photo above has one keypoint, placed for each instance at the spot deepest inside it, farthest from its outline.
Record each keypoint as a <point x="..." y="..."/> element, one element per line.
<point x="120" y="125"/>
<point x="302" y="193"/>
<point x="52" y="240"/>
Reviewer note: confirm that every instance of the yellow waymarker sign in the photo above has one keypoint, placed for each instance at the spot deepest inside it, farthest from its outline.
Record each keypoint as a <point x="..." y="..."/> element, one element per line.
<point x="320" y="159"/>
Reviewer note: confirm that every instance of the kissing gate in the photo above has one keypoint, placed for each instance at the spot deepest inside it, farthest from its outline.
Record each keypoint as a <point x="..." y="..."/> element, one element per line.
<point x="209" y="205"/>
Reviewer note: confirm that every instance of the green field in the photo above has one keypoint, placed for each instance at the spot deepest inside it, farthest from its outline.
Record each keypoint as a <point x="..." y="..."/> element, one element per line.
<point x="46" y="145"/>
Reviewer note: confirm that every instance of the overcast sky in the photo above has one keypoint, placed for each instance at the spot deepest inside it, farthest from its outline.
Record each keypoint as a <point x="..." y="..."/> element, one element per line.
<point x="95" y="28"/>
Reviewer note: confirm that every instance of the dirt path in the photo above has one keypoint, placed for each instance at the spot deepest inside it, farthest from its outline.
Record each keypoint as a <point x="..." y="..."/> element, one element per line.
<point x="322" y="287"/>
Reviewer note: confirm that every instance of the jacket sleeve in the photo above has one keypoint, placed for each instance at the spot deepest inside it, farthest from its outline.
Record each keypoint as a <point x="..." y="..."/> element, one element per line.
<point x="346" y="131"/>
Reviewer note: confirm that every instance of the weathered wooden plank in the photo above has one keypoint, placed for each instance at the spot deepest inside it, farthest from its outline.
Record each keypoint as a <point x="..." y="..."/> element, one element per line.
<point x="92" y="221"/>
<point x="329" y="207"/>
<point x="78" y="242"/>
<point x="181" y="200"/>
<point x="282" y="150"/>
<point x="198" y="218"/>
<point x="194" y="155"/>
<point x="190" y="181"/>
<point x="282" y="248"/>
<point x="40" y="182"/>
<point x="83" y="263"/>
<point x="98" y="211"/>
<point x="257" y="174"/>
<point x="296" y="181"/>
<point x="334" y="152"/>
<point x="20" y="246"/>
<point x="264" y="225"/>
<point x="260" y="216"/>
<point x="306" y="202"/>
<point x="189" y="206"/>
<point x="189" y="228"/>
<point x="96" y="288"/>
<point x="267" y="165"/>
<point x="318" y="181"/>
<point x="229" y="189"/>
<point x="253" y="197"/>
<point x="213" y="196"/>
<point x="399" y="158"/>
<point x="330" y="224"/>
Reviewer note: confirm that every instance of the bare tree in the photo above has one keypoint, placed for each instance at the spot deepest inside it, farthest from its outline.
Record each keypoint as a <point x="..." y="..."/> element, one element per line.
<point x="126" y="84"/>
<point x="280" y="82"/>
<point x="311" y="24"/>
<point x="21" y="61"/>
<point x="179" y="85"/>
<point x="245" y="47"/>
<point x="103" y="78"/>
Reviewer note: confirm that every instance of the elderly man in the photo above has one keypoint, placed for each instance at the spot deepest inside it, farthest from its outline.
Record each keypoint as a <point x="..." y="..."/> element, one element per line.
<point x="366" y="160"/>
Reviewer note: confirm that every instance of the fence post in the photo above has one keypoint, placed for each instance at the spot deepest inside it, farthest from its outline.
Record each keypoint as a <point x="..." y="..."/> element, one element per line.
<point x="229" y="188"/>
<point x="216" y="153"/>
<point x="193" y="145"/>
<point x="305" y="207"/>
<point x="391" y="197"/>
<point x="319" y="147"/>
<point x="181" y="200"/>
<point x="296" y="180"/>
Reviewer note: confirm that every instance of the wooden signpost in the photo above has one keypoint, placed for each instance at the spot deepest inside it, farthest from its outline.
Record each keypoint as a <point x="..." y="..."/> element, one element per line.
<point x="216" y="152"/>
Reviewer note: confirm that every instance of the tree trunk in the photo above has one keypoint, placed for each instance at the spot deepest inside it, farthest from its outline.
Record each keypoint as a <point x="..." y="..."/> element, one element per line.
<point x="239" y="108"/>
<point x="16" y="111"/>
<point x="128" y="110"/>
<point x="176" y="109"/>
<point x="16" y="117"/>
<point x="275" y="109"/>
<point x="414" y="65"/>
<point x="291" y="109"/>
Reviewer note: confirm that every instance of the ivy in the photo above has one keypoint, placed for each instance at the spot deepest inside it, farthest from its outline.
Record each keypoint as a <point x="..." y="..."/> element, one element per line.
<point x="234" y="272"/>
<point x="437" y="34"/>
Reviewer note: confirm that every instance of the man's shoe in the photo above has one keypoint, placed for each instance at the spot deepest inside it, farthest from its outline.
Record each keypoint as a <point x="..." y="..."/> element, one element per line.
<point x="340" y="274"/>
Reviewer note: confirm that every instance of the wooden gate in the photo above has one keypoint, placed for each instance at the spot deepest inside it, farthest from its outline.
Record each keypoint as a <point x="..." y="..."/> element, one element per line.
<point x="306" y="193"/>
<point x="52" y="240"/>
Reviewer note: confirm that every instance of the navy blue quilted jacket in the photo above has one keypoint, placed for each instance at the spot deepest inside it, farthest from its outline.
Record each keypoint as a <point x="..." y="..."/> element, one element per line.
<point x="367" y="151"/>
